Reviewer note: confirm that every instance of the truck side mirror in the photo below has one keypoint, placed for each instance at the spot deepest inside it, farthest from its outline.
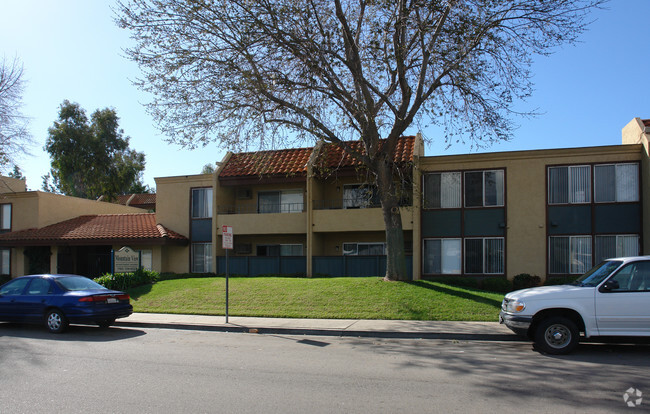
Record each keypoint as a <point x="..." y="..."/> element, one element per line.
<point x="610" y="285"/>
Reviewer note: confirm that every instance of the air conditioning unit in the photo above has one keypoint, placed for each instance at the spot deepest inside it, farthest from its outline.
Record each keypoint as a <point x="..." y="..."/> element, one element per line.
<point x="243" y="194"/>
<point x="243" y="248"/>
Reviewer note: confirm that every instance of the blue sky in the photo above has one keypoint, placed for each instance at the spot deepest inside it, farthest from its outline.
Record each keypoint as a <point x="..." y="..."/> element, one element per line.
<point x="71" y="49"/>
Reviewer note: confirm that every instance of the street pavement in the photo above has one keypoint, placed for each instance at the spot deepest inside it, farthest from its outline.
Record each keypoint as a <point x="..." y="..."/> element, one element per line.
<point x="325" y="327"/>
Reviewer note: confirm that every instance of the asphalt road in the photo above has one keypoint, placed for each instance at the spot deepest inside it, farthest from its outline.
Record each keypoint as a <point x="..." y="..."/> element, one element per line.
<point x="126" y="370"/>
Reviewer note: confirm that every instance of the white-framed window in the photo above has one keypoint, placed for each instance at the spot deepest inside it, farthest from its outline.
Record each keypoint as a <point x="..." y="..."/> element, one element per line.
<point x="279" y="250"/>
<point x="201" y="257"/>
<point x="284" y="201"/>
<point x="360" y="196"/>
<point x="146" y="259"/>
<point x="484" y="255"/>
<point x="616" y="183"/>
<point x="364" y="249"/>
<point x="442" y="190"/>
<point x="608" y="246"/>
<point x="442" y="256"/>
<point x="5" y="217"/>
<point x="569" y="185"/>
<point x="201" y="203"/>
<point x="484" y="188"/>
<point x="569" y="254"/>
<point x="5" y="261"/>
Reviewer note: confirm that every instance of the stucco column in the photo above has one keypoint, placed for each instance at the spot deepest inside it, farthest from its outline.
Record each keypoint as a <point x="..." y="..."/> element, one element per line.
<point x="54" y="259"/>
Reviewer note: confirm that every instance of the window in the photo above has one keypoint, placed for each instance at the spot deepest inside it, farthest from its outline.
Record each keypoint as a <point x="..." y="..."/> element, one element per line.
<point x="616" y="246"/>
<point x="39" y="287"/>
<point x="201" y="257"/>
<point x="360" y="196"/>
<point x="279" y="249"/>
<point x="616" y="183"/>
<point x="442" y="256"/>
<point x="5" y="261"/>
<point x="569" y="185"/>
<point x="484" y="256"/>
<point x="364" y="249"/>
<point x="633" y="277"/>
<point x="569" y="254"/>
<point x="146" y="261"/>
<point x="201" y="202"/>
<point x="484" y="188"/>
<point x="442" y="190"/>
<point x="280" y="201"/>
<point x="14" y="287"/>
<point x="5" y="217"/>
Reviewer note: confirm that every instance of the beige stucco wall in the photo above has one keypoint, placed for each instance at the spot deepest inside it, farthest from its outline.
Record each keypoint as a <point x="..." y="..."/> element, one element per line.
<point x="173" y="200"/>
<point x="525" y="200"/>
<point x="36" y="209"/>
<point x="11" y="185"/>
<point x="634" y="133"/>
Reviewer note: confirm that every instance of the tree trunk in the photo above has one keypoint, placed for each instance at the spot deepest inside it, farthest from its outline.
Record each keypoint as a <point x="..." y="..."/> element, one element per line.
<point x="395" y="260"/>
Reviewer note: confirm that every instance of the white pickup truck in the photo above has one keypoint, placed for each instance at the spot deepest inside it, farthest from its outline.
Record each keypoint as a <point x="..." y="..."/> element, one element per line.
<point x="612" y="299"/>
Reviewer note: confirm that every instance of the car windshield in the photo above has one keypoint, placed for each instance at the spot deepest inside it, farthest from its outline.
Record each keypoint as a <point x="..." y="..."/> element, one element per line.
<point x="78" y="283"/>
<point x="597" y="273"/>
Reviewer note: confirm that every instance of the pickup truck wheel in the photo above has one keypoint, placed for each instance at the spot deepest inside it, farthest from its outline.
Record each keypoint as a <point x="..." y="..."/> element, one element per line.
<point x="557" y="335"/>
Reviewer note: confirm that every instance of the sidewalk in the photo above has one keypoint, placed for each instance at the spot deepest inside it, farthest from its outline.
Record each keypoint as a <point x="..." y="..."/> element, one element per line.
<point x="490" y="331"/>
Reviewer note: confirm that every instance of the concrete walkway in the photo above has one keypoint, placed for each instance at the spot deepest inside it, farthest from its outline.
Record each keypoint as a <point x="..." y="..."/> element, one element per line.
<point x="492" y="331"/>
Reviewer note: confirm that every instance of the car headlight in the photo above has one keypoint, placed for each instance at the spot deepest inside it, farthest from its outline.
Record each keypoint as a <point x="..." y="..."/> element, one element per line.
<point x="514" y="306"/>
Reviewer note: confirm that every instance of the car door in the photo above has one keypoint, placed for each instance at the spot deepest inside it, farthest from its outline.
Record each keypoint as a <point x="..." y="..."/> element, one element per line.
<point x="623" y="301"/>
<point x="35" y="299"/>
<point x="10" y="304"/>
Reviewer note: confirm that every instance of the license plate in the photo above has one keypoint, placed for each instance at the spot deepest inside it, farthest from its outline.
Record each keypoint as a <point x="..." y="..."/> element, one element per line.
<point x="112" y="300"/>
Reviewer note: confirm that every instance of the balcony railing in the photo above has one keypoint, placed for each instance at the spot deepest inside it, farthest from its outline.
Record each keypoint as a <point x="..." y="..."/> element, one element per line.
<point x="351" y="203"/>
<point x="263" y="209"/>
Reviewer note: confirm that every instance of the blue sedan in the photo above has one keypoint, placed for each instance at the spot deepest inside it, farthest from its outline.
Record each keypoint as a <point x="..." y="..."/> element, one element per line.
<point x="58" y="300"/>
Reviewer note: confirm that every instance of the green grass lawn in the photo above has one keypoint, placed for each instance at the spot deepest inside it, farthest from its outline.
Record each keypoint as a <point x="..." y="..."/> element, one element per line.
<point x="337" y="298"/>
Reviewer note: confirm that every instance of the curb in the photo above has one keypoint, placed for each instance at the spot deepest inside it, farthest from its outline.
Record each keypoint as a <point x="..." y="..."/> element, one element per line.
<point x="326" y="332"/>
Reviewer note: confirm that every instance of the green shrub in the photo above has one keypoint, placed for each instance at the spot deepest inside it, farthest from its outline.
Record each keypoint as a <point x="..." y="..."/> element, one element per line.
<point x="123" y="281"/>
<point x="524" y="280"/>
<point x="496" y="284"/>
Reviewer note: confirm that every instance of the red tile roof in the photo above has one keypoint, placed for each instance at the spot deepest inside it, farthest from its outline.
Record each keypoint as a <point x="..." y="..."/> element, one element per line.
<point x="103" y="228"/>
<point x="337" y="157"/>
<point x="294" y="161"/>
<point x="278" y="162"/>
<point x="146" y="201"/>
<point x="646" y="122"/>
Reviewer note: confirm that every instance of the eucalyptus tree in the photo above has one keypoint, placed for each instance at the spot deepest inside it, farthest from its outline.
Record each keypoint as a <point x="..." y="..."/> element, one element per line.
<point x="91" y="158"/>
<point x="254" y="73"/>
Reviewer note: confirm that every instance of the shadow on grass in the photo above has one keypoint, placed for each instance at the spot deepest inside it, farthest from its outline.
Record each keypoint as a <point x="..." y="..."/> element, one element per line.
<point x="460" y="294"/>
<point x="138" y="291"/>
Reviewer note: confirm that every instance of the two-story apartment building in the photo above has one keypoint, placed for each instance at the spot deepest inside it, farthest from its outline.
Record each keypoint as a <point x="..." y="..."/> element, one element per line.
<point x="546" y="212"/>
<point x="310" y="211"/>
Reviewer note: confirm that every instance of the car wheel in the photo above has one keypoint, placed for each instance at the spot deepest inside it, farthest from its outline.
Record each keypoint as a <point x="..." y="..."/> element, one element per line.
<point x="55" y="321"/>
<point x="557" y="335"/>
<point x="106" y="323"/>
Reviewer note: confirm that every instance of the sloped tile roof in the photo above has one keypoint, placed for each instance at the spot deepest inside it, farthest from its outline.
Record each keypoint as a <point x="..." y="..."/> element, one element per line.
<point x="278" y="162"/>
<point x="333" y="156"/>
<point x="646" y="122"/>
<point x="146" y="201"/>
<point x="294" y="161"/>
<point x="98" y="228"/>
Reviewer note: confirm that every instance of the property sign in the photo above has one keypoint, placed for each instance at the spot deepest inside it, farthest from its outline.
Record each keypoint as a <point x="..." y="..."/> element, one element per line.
<point x="126" y="260"/>
<point x="226" y="237"/>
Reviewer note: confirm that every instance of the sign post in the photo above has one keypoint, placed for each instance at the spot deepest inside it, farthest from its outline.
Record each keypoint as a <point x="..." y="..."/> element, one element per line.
<point x="226" y="243"/>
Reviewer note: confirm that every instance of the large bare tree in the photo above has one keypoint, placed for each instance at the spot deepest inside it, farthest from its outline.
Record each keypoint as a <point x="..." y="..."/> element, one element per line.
<point x="252" y="73"/>
<point x="15" y="138"/>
